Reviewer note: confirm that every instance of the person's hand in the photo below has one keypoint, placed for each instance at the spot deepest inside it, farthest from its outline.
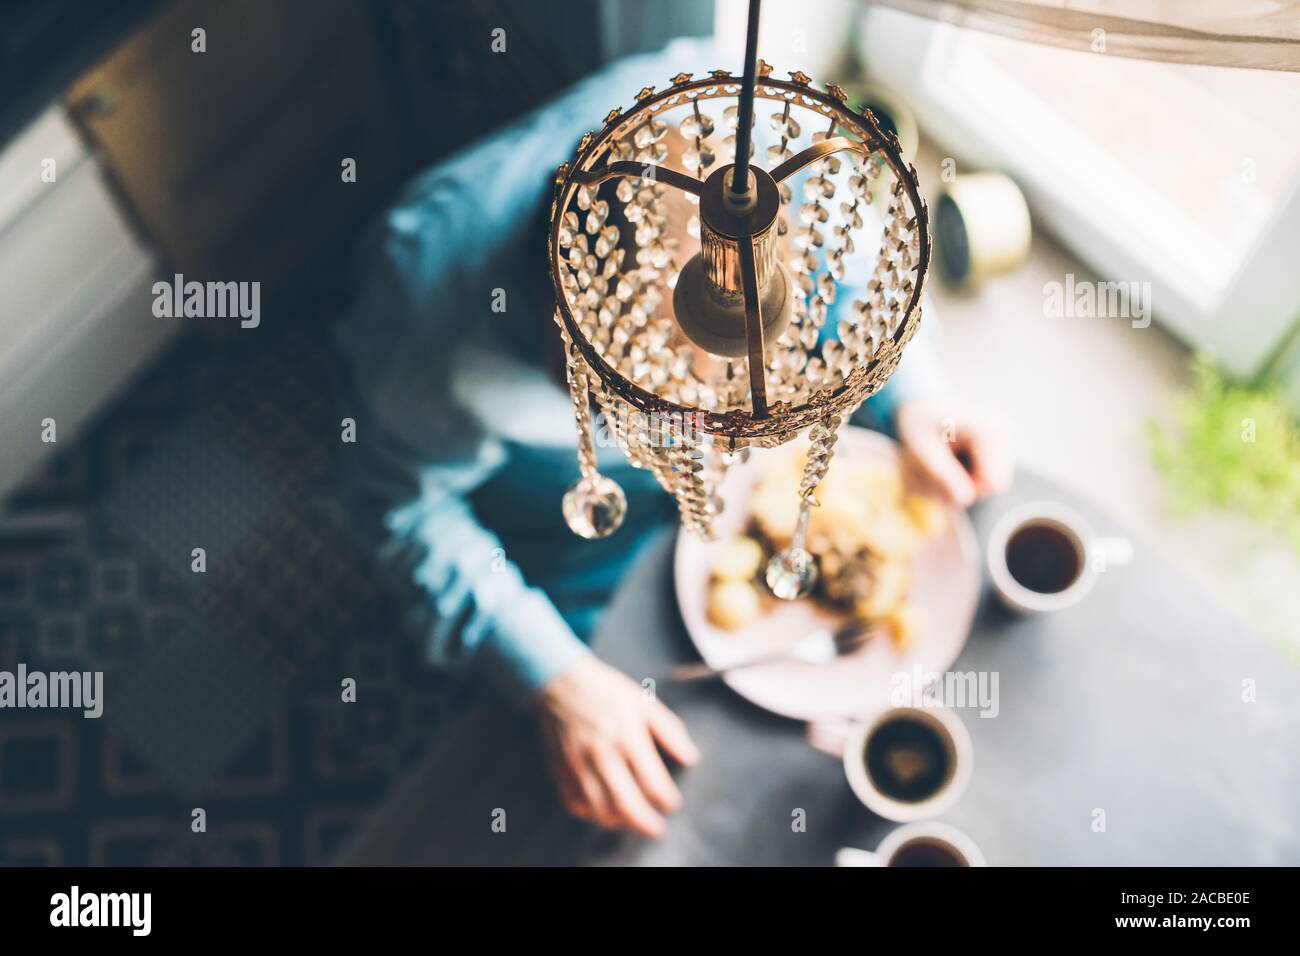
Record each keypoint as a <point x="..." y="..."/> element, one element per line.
<point x="603" y="736"/>
<point x="966" y="453"/>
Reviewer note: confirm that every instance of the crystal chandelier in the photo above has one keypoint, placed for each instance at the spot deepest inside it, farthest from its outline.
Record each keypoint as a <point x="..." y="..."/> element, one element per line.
<point x="693" y="286"/>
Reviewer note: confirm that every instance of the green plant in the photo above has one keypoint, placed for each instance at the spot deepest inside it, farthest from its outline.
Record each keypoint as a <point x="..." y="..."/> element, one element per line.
<point x="1236" y="447"/>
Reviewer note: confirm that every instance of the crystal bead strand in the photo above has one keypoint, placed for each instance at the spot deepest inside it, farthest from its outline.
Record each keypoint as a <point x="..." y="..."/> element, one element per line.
<point x="805" y="262"/>
<point x="892" y="284"/>
<point x="576" y="377"/>
<point x="851" y="212"/>
<point x="862" y="338"/>
<point x="731" y="117"/>
<point x="812" y="213"/>
<point x="824" y="435"/>
<point x="902" y="259"/>
<point x="624" y="283"/>
<point x="792" y="573"/>
<point x="693" y="493"/>
<point x="857" y="341"/>
<point x="644" y="355"/>
<point x="617" y="417"/>
<point x="631" y="430"/>
<point x="778" y="153"/>
<point x="697" y="127"/>
<point x="594" y="506"/>
<point x="654" y="250"/>
<point x="639" y="354"/>
<point x="790" y="359"/>
<point x="717" y="461"/>
<point x="593" y="256"/>
<point x="808" y="239"/>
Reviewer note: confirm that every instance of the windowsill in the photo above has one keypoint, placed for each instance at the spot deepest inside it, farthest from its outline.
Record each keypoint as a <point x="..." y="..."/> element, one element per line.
<point x="1078" y="393"/>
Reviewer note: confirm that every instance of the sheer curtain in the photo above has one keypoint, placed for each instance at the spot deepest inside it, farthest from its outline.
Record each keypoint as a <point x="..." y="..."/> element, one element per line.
<point x="1256" y="34"/>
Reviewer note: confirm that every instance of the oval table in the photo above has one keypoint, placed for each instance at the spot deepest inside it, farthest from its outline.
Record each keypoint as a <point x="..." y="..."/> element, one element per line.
<point x="1145" y="726"/>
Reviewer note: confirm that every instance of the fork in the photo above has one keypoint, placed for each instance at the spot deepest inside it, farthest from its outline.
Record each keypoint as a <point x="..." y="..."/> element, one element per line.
<point x="820" y="647"/>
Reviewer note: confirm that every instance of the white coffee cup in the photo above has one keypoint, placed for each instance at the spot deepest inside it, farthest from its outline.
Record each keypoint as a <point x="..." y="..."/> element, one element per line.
<point x="935" y="841"/>
<point x="1072" y="532"/>
<point x="849" y="742"/>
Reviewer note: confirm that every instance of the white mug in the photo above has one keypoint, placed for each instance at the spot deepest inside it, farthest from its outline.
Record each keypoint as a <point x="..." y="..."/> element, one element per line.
<point x="849" y="743"/>
<point x="1073" y="529"/>
<point x="893" y="849"/>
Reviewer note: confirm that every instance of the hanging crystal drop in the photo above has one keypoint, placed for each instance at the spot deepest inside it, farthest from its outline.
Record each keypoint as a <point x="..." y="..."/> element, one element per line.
<point x="792" y="573"/>
<point x="697" y="125"/>
<point x="594" y="506"/>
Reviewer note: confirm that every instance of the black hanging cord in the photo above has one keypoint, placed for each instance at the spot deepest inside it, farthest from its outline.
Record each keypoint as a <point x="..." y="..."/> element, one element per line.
<point x="745" y="115"/>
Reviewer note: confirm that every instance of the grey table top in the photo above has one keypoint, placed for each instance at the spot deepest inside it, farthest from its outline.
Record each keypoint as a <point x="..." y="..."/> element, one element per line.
<point x="1130" y="703"/>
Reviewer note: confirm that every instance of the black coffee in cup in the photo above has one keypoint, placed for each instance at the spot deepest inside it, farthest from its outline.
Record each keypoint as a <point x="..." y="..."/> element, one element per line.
<point x="926" y="852"/>
<point x="1043" y="557"/>
<point x="907" y="759"/>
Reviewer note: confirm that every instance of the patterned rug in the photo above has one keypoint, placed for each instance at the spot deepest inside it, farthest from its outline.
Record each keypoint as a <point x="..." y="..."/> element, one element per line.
<point x="222" y="688"/>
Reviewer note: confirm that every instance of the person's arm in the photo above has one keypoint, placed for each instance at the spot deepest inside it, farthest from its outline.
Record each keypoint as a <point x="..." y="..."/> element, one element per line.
<point x="433" y="266"/>
<point x="477" y="612"/>
<point x="964" y="451"/>
<point x="602" y="733"/>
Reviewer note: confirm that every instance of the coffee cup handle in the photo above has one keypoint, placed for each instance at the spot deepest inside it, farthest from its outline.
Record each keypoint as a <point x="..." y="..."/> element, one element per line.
<point x="829" y="736"/>
<point x="1112" y="552"/>
<point x="851" y="856"/>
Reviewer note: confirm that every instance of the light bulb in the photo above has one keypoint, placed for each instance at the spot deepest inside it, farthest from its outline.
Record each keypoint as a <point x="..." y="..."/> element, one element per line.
<point x="714" y="319"/>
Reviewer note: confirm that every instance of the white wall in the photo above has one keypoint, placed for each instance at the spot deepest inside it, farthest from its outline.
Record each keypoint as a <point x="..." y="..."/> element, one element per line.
<point x="76" y="318"/>
<point x="810" y="35"/>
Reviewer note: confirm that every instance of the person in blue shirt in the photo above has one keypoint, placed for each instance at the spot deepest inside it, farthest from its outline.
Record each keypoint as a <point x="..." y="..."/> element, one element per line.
<point x="465" y="445"/>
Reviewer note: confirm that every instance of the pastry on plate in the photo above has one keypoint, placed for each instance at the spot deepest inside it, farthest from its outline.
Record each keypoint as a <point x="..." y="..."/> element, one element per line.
<point x="863" y="532"/>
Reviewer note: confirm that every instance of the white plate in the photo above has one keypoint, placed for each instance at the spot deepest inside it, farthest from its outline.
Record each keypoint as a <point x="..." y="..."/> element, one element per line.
<point x="945" y="586"/>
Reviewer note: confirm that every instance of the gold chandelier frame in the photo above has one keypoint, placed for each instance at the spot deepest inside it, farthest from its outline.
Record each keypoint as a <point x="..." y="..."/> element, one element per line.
<point x="762" y="424"/>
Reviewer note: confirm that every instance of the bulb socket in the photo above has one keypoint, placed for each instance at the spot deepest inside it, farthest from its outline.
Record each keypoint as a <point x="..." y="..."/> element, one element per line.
<point x="723" y="226"/>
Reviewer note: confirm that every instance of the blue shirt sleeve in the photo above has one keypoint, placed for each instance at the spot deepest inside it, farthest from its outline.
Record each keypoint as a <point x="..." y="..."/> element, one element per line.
<point x="478" y="613"/>
<point x="429" y="269"/>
